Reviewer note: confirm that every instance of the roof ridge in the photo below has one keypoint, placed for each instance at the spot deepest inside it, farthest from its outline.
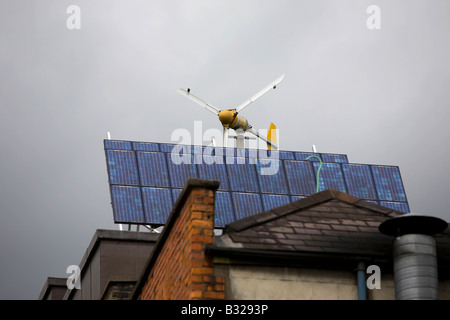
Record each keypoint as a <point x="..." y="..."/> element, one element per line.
<point x="305" y="203"/>
<point x="364" y="204"/>
<point x="279" y="212"/>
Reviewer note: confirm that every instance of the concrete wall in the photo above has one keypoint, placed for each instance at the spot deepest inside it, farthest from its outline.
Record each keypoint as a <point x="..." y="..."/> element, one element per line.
<point x="54" y="289"/>
<point x="112" y="256"/>
<point x="387" y="291"/>
<point x="285" y="283"/>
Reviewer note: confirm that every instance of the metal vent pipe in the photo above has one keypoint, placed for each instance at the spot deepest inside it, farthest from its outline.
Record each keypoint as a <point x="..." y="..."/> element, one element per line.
<point x="415" y="267"/>
<point x="414" y="252"/>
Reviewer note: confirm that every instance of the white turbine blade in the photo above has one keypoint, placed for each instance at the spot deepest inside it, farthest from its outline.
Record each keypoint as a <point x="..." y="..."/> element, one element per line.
<point x="260" y="93"/>
<point x="225" y="137"/>
<point x="253" y="131"/>
<point x="199" y="101"/>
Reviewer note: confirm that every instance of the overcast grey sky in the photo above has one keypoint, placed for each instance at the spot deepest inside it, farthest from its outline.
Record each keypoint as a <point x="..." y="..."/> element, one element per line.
<point x="379" y="96"/>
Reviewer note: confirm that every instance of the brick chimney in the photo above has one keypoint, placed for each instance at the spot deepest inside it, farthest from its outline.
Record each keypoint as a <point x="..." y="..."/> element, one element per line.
<point x="178" y="268"/>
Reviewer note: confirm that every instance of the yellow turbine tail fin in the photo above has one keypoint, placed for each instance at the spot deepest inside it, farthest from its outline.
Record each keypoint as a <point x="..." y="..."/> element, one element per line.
<point x="272" y="136"/>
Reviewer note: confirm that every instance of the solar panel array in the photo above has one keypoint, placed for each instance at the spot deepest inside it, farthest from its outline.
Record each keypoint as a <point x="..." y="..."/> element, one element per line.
<point x="146" y="179"/>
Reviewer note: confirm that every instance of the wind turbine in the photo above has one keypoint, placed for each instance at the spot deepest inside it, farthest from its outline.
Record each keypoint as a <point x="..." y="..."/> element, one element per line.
<point x="231" y="120"/>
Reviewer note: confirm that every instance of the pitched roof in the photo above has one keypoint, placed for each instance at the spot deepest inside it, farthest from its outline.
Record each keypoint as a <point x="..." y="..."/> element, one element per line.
<point x="327" y="222"/>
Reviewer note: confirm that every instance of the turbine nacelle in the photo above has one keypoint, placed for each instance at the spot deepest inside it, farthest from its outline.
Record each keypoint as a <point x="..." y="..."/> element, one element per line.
<point x="231" y="119"/>
<point x="227" y="117"/>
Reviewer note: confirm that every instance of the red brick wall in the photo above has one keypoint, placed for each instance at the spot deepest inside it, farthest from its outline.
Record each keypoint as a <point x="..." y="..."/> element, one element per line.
<point x="182" y="271"/>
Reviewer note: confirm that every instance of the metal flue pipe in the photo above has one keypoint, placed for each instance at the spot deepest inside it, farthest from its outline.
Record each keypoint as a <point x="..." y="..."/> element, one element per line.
<point x="414" y="252"/>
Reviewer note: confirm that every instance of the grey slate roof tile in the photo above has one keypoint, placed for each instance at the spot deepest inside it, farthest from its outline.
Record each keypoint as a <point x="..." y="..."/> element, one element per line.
<point x="329" y="221"/>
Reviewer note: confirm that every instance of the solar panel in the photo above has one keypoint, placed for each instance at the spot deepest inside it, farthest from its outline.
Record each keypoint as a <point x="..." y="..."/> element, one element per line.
<point x="282" y="155"/>
<point x="388" y="183"/>
<point x="145" y="146"/>
<point x="286" y="155"/>
<point x="304" y="155"/>
<point x="271" y="201"/>
<point x="330" y="177"/>
<point x="339" y="158"/>
<point x="122" y="167"/>
<point x="175" y="194"/>
<point x="127" y="204"/>
<point x="325" y="157"/>
<point x="146" y="179"/>
<point x="153" y="169"/>
<point x="359" y="181"/>
<point x="251" y="154"/>
<point x="246" y="204"/>
<point x="157" y="204"/>
<point x="164" y="147"/>
<point x="117" y="145"/>
<point x="274" y="183"/>
<point x="242" y="175"/>
<point x="212" y="155"/>
<point x="224" y="212"/>
<point x="300" y="177"/>
<point x="180" y="172"/>
<point x="211" y="170"/>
